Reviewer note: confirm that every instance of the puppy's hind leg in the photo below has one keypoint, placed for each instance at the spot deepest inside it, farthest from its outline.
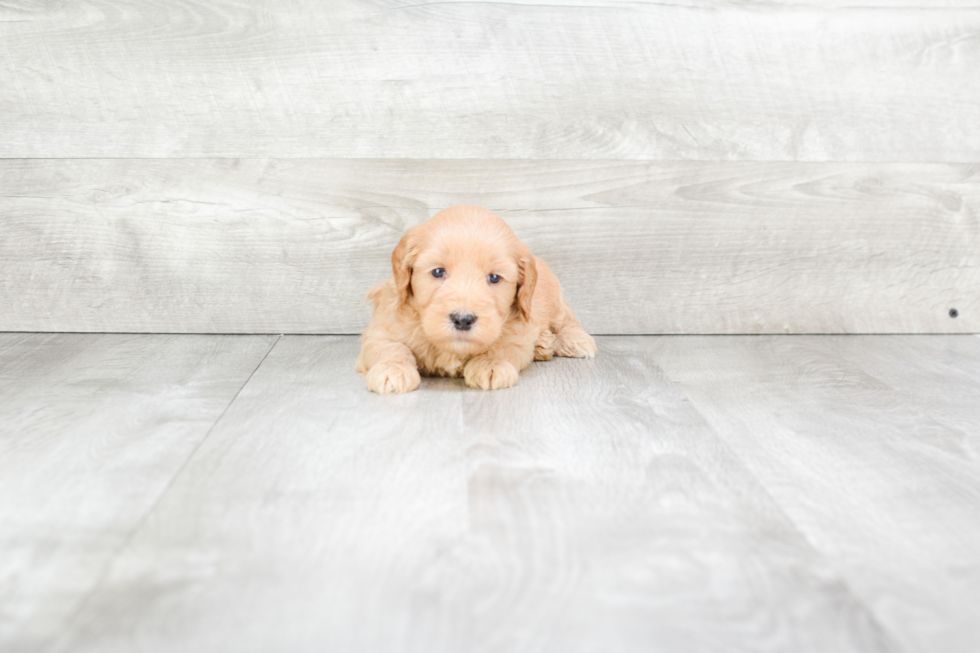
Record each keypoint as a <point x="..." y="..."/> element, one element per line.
<point x="574" y="342"/>
<point x="544" y="347"/>
<point x="571" y="341"/>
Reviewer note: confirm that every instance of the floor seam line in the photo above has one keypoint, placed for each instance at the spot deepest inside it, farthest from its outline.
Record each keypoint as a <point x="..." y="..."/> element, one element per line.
<point x="156" y="502"/>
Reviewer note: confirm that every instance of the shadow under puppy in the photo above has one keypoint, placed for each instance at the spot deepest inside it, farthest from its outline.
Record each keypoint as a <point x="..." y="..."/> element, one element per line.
<point x="466" y="298"/>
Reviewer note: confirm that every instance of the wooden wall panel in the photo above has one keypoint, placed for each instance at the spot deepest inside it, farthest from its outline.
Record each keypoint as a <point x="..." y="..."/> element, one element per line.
<point x="744" y="81"/>
<point x="641" y="247"/>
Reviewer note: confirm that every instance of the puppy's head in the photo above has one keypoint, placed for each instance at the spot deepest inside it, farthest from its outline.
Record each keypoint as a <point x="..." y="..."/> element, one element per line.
<point x="467" y="274"/>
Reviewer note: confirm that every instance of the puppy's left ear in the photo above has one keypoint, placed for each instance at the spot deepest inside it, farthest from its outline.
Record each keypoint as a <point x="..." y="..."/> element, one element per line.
<point x="527" y="279"/>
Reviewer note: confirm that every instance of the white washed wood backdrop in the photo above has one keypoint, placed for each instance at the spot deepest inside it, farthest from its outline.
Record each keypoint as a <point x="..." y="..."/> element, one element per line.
<point x="686" y="167"/>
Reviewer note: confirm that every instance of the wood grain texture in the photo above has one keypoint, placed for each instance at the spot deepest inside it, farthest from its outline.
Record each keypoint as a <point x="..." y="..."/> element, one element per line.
<point x="741" y="81"/>
<point x="292" y="246"/>
<point x="93" y="428"/>
<point x="589" y="508"/>
<point x="938" y="377"/>
<point x="870" y="445"/>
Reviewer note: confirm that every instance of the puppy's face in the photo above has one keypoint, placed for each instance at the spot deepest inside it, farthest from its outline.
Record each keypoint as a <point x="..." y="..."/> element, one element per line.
<point x="466" y="275"/>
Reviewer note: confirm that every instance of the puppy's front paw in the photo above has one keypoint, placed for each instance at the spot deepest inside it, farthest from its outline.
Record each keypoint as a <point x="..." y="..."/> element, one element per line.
<point x="573" y="342"/>
<point x="486" y="374"/>
<point x="392" y="378"/>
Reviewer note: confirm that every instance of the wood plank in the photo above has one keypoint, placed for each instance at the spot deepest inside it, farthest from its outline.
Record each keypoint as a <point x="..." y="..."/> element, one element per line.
<point x="655" y="81"/>
<point x="291" y="246"/>
<point x="588" y="508"/>
<point x="887" y="492"/>
<point x="938" y="377"/>
<point x="93" y="428"/>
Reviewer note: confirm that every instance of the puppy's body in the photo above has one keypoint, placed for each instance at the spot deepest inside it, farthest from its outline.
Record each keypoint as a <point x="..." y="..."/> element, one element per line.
<point x="466" y="298"/>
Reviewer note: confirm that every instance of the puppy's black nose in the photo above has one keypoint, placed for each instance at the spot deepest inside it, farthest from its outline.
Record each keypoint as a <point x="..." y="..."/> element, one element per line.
<point x="463" y="321"/>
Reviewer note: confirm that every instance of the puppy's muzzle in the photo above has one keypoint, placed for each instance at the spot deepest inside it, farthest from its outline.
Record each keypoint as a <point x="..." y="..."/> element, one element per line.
<point x="462" y="321"/>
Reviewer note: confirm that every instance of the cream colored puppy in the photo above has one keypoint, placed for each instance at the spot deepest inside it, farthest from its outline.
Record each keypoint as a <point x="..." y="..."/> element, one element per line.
<point x="466" y="298"/>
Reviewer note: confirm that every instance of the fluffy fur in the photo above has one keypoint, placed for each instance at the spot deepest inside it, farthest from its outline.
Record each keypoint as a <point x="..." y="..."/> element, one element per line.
<point x="521" y="318"/>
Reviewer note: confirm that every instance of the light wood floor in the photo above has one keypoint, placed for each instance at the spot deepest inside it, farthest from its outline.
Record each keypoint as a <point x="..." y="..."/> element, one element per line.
<point x="246" y="493"/>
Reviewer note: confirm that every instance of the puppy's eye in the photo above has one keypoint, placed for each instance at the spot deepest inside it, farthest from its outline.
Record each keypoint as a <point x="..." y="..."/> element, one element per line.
<point x="493" y="278"/>
<point x="438" y="273"/>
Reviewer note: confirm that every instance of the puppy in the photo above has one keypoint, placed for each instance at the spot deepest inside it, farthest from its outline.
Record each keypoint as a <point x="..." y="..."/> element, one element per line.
<point x="466" y="298"/>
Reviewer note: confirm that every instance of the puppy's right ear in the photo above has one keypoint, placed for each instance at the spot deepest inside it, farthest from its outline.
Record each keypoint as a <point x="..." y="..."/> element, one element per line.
<point x="402" y="261"/>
